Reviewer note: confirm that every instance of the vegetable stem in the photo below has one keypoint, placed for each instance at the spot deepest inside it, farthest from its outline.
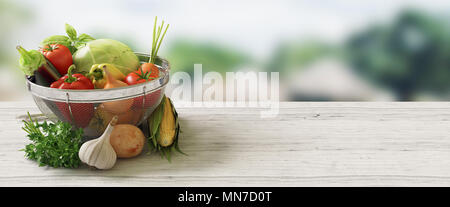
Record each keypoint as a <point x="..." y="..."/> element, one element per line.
<point x="157" y="39"/>
<point x="164" y="34"/>
<point x="70" y="78"/>
<point x="23" y="52"/>
<point x="153" y="43"/>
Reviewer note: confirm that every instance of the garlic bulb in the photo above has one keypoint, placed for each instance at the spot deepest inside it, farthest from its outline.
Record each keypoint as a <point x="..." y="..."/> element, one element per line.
<point x="99" y="152"/>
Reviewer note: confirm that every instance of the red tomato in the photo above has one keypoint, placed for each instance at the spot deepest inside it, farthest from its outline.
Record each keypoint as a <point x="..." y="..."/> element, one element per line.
<point x="146" y="72"/>
<point x="150" y="67"/>
<point x="59" y="56"/>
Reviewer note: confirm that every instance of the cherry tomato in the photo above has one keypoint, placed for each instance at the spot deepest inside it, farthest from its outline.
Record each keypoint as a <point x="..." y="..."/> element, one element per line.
<point x="150" y="67"/>
<point x="59" y="56"/>
<point x="146" y="72"/>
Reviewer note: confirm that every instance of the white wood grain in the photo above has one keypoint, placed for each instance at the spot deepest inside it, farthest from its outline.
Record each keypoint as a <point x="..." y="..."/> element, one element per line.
<point x="307" y="144"/>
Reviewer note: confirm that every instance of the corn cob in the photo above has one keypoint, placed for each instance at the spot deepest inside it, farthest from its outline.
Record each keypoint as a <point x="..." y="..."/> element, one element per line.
<point x="167" y="127"/>
<point x="164" y="129"/>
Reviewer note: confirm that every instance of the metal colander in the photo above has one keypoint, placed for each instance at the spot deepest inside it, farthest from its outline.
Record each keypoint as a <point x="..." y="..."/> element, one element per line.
<point x="92" y="109"/>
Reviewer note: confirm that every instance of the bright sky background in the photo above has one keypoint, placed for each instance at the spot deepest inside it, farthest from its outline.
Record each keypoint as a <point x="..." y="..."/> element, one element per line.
<point x="255" y="27"/>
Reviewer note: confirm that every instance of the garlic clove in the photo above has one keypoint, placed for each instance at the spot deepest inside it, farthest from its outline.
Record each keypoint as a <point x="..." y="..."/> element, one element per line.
<point x="98" y="152"/>
<point x="108" y="158"/>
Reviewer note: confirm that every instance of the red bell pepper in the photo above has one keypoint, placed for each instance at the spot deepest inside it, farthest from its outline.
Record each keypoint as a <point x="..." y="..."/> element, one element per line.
<point x="81" y="112"/>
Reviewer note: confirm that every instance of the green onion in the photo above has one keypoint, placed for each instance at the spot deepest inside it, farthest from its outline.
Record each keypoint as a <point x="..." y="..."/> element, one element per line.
<point x="157" y="40"/>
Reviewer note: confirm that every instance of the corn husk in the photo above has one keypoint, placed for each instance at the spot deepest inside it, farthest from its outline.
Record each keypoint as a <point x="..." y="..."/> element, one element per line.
<point x="164" y="129"/>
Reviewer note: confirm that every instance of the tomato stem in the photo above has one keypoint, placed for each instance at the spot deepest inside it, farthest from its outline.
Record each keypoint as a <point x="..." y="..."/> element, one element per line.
<point x="70" y="78"/>
<point x="144" y="75"/>
<point x="50" y="47"/>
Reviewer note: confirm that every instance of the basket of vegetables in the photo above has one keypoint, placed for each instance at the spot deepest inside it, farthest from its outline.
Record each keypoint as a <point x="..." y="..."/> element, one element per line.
<point x="86" y="82"/>
<point x="104" y="101"/>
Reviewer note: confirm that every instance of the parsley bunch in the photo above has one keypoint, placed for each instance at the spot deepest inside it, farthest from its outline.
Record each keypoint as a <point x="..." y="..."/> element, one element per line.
<point x="53" y="144"/>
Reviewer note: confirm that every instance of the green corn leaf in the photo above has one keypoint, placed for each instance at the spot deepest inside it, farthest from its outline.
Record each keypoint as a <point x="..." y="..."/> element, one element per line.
<point x="155" y="119"/>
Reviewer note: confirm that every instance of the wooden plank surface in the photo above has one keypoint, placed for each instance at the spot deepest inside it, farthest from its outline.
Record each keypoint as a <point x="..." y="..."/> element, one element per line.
<point x="307" y="144"/>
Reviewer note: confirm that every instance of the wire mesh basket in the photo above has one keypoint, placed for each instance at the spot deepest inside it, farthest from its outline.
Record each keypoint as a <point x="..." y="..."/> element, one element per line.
<point x="93" y="109"/>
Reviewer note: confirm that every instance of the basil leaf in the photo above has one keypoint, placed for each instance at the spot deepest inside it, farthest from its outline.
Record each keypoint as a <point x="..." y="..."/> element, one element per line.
<point x="56" y="39"/>
<point x="71" y="41"/>
<point x="82" y="40"/>
<point x="71" y="32"/>
<point x="59" y="39"/>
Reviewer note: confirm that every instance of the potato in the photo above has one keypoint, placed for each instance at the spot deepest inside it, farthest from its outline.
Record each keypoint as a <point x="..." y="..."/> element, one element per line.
<point x="127" y="140"/>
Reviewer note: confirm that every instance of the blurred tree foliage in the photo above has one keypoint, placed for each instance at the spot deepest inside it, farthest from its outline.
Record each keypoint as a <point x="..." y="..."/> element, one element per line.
<point x="292" y="55"/>
<point x="11" y="14"/>
<point x="410" y="55"/>
<point x="183" y="54"/>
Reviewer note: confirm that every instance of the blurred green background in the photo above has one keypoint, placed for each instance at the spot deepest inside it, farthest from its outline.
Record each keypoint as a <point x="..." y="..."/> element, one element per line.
<point x="324" y="50"/>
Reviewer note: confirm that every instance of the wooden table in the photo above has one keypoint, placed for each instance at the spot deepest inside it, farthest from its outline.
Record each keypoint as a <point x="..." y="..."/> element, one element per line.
<point x="307" y="144"/>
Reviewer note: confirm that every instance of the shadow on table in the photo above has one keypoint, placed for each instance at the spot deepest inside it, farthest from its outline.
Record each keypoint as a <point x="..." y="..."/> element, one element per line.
<point x="195" y="140"/>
